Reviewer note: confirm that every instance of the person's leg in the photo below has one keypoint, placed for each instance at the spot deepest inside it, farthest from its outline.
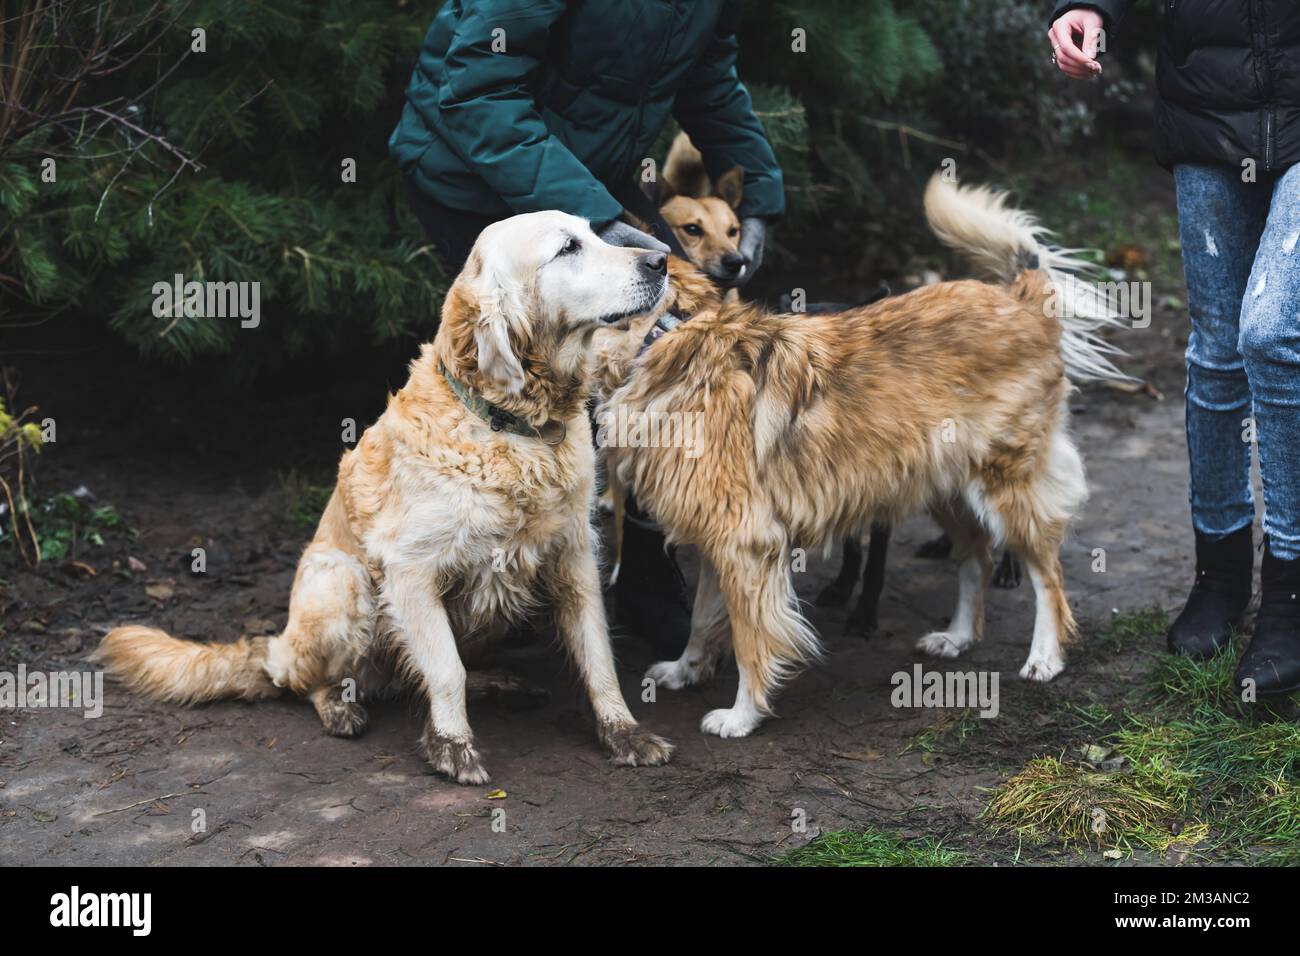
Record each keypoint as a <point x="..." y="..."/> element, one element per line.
<point x="1220" y="221"/>
<point x="1270" y="346"/>
<point x="650" y="596"/>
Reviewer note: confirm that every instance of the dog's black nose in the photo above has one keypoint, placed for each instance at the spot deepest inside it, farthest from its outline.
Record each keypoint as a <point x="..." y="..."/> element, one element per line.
<point x="732" y="262"/>
<point x="655" y="263"/>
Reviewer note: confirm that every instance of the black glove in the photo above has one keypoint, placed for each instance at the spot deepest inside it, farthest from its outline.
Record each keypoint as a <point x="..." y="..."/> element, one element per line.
<point x="619" y="233"/>
<point x="753" y="234"/>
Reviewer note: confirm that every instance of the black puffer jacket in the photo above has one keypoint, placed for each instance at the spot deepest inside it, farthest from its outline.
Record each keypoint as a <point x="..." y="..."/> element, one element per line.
<point x="1228" y="78"/>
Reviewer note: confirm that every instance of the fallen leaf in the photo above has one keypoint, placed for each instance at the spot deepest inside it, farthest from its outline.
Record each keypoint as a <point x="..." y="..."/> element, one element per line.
<point x="1095" y="753"/>
<point x="496" y="795"/>
<point x="136" y="565"/>
<point x="160" y="592"/>
<point x="856" y="754"/>
<point x="1113" y="854"/>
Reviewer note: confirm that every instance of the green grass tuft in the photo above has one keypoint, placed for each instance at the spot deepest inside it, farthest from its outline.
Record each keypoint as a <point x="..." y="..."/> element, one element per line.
<point x="872" y="847"/>
<point x="952" y="727"/>
<point x="1185" y="683"/>
<point x="1073" y="803"/>
<point x="1131" y="630"/>
<point x="305" y="501"/>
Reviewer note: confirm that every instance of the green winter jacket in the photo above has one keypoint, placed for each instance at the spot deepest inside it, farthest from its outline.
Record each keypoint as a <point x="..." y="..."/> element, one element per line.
<point x="521" y="105"/>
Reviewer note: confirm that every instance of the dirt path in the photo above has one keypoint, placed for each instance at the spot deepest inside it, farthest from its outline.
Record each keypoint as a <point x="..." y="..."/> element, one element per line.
<point x="273" y="789"/>
<point x="189" y="458"/>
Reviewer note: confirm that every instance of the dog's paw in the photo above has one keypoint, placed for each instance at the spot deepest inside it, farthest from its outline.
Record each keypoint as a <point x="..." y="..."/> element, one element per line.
<point x="341" y="718"/>
<point x="456" y="759"/>
<point x="674" y="675"/>
<point x="1008" y="573"/>
<point x="943" y="644"/>
<point x="862" y="622"/>
<point x="631" y="745"/>
<point x="729" y="722"/>
<point x="1042" y="667"/>
<point x="835" y="594"/>
<point x="936" y="548"/>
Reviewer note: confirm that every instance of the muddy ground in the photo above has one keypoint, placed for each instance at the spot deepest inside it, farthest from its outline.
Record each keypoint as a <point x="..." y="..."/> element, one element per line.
<point x="187" y="459"/>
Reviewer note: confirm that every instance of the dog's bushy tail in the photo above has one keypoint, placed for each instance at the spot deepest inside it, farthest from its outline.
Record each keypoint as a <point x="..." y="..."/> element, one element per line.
<point x="155" y="664"/>
<point x="1005" y="242"/>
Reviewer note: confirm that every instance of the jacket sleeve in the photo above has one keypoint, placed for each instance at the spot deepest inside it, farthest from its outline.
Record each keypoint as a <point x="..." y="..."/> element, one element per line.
<point x="1112" y="11"/>
<point x="489" y="115"/>
<point x="715" y="110"/>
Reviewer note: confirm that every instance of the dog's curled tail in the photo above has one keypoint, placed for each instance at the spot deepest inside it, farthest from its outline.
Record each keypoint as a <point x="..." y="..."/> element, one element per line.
<point x="155" y="664"/>
<point x="1005" y="242"/>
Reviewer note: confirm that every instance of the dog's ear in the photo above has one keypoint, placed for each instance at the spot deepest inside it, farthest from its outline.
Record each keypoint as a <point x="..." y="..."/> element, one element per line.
<point x="496" y="356"/>
<point x="730" y="186"/>
<point x="658" y="190"/>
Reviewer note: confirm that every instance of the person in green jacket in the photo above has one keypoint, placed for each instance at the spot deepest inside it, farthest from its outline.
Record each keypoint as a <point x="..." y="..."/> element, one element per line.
<point x="521" y="105"/>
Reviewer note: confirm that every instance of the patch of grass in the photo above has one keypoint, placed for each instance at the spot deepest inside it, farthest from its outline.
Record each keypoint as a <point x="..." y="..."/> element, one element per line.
<point x="1244" y="774"/>
<point x="1132" y="630"/>
<point x="955" y="726"/>
<point x="873" y="847"/>
<point x="1095" y="716"/>
<point x="1185" y="683"/>
<point x="1199" y="777"/>
<point x="1074" y="803"/>
<point x="305" y="500"/>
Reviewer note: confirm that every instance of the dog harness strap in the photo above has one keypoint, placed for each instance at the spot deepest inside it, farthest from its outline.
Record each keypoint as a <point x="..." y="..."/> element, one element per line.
<point x="500" y="420"/>
<point x="665" y="323"/>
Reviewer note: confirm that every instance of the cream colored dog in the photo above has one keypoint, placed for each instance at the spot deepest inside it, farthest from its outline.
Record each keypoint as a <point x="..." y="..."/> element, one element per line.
<point x="469" y="498"/>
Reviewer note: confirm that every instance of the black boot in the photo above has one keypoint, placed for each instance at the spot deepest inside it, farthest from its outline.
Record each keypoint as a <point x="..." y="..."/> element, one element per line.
<point x="650" y="595"/>
<point x="1219" y="596"/>
<point x="1272" y="661"/>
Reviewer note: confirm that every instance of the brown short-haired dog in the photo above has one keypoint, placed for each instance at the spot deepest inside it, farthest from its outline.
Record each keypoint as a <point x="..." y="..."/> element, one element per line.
<point x="950" y="399"/>
<point x="702" y="213"/>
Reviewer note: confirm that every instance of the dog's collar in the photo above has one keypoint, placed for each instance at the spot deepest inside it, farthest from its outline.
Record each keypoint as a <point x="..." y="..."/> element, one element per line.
<point x="500" y="420"/>
<point x="665" y="323"/>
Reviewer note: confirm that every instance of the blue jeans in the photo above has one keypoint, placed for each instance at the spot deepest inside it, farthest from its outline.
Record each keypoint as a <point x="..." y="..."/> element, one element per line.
<point x="1241" y="257"/>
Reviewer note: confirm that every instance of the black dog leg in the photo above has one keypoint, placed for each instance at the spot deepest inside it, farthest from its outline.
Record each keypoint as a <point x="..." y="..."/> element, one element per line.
<point x="1008" y="573"/>
<point x="863" y="620"/>
<point x="940" y="547"/>
<point x="840" y="590"/>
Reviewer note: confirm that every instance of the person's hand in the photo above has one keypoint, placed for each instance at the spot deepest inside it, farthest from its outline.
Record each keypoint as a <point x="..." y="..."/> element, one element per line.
<point x="619" y="233"/>
<point x="1079" y="61"/>
<point x="753" y="234"/>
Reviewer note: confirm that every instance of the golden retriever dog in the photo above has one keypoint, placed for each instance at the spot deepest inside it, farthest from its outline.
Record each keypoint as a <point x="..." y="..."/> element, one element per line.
<point x="950" y="399"/>
<point x="467" y="501"/>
